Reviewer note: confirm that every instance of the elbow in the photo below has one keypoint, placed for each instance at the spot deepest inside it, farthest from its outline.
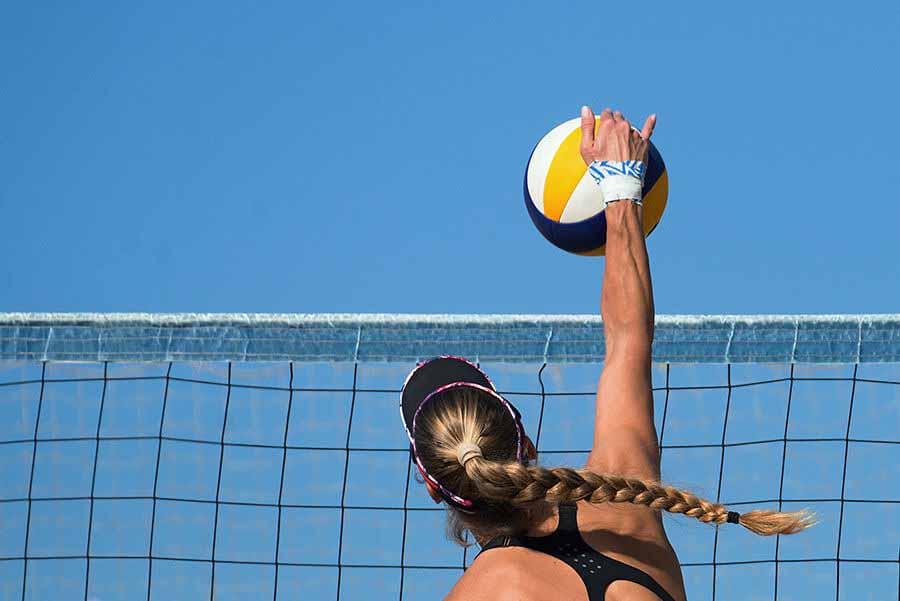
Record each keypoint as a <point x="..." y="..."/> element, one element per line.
<point x="634" y="334"/>
<point x="627" y="313"/>
<point x="631" y="346"/>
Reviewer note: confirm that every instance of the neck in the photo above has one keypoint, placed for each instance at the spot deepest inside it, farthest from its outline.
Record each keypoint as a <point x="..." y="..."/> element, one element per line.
<point x="538" y="519"/>
<point x="544" y="517"/>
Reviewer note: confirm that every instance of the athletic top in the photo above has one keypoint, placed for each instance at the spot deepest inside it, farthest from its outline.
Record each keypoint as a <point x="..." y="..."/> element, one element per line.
<point x="596" y="570"/>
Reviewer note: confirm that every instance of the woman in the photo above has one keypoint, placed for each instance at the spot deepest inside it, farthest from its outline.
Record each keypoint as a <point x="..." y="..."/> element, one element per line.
<point x="591" y="534"/>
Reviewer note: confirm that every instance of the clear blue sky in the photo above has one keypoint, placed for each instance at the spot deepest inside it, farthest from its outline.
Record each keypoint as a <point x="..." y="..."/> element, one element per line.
<point x="367" y="157"/>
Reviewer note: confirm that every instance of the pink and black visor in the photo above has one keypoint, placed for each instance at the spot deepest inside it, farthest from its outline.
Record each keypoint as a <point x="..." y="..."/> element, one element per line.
<point x="427" y="381"/>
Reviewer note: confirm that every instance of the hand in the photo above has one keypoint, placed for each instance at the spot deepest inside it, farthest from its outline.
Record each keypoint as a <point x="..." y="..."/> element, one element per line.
<point x="616" y="139"/>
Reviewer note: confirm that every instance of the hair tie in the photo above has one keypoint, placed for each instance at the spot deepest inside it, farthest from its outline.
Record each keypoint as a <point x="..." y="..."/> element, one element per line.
<point x="466" y="451"/>
<point x="733" y="517"/>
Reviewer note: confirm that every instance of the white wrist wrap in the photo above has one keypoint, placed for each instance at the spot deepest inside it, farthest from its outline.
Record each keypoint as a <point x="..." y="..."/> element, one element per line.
<point x="619" y="180"/>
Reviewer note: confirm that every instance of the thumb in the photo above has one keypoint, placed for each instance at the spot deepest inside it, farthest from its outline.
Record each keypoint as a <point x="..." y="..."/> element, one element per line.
<point x="587" y="127"/>
<point x="649" y="125"/>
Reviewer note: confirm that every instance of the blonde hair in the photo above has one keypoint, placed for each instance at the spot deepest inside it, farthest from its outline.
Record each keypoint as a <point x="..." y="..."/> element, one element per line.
<point x="506" y="490"/>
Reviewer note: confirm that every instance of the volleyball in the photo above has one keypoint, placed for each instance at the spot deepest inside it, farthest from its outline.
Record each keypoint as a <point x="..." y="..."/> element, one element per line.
<point x="566" y="204"/>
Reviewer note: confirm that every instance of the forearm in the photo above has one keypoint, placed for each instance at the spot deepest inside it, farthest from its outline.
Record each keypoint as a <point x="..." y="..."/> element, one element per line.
<point x="627" y="298"/>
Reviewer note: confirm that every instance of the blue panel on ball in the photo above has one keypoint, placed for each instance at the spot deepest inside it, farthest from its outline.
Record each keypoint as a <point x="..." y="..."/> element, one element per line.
<point x="578" y="237"/>
<point x="655" y="168"/>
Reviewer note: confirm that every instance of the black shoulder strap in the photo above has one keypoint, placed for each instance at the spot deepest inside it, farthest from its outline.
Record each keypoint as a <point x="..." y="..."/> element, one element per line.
<point x="597" y="583"/>
<point x="568" y="519"/>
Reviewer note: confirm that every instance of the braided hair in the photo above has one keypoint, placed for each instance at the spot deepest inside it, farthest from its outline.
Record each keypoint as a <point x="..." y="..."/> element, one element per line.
<point x="505" y="489"/>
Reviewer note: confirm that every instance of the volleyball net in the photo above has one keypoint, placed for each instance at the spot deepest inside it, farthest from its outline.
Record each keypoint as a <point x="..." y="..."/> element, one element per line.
<point x="251" y="457"/>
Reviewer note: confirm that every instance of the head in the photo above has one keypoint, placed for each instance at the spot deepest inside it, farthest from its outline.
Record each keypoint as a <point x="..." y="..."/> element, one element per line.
<point x="470" y="446"/>
<point x="462" y="436"/>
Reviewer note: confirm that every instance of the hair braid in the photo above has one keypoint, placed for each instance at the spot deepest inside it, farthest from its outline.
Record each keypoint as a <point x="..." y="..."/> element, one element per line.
<point x="508" y="490"/>
<point x="521" y="485"/>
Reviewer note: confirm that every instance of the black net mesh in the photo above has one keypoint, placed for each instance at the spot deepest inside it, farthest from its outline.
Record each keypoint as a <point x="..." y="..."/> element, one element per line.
<point x="293" y="480"/>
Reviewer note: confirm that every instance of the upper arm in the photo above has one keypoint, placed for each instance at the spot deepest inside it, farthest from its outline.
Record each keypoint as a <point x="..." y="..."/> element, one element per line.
<point x="625" y="439"/>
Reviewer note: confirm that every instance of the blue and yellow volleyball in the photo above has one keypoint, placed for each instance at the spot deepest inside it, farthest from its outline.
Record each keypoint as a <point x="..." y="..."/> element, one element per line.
<point x="564" y="201"/>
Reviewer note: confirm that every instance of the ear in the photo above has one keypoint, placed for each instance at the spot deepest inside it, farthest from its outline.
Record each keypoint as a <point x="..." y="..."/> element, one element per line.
<point x="530" y="450"/>
<point x="433" y="492"/>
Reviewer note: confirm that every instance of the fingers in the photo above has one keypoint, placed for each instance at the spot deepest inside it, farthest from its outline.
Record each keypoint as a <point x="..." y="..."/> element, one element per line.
<point x="619" y="120"/>
<point x="649" y="125"/>
<point x="587" y="127"/>
<point x="616" y="139"/>
<point x="606" y="116"/>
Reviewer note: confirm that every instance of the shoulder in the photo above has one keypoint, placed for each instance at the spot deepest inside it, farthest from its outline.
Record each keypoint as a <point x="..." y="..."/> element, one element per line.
<point x="497" y="575"/>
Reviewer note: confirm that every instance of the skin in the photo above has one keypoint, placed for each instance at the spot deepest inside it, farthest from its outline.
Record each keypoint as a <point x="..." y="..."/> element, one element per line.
<point x="625" y="439"/>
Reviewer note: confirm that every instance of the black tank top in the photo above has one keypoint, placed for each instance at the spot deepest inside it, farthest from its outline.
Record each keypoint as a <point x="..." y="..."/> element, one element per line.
<point x="596" y="570"/>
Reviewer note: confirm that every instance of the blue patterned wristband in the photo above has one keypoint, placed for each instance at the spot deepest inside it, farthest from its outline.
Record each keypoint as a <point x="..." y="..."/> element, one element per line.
<point x="619" y="180"/>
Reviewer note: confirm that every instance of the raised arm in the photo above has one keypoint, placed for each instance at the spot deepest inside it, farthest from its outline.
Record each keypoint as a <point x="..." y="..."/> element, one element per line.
<point x="625" y="439"/>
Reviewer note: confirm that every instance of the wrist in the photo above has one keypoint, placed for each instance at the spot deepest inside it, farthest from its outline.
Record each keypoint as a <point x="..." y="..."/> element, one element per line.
<point x="619" y="180"/>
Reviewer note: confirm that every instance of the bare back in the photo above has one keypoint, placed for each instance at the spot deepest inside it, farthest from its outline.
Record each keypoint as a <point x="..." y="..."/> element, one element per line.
<point x="631" y="534"/>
